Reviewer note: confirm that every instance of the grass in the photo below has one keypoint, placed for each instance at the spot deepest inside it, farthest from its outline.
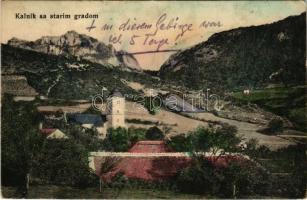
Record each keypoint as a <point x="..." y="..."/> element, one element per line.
<point x="93" y="193"/>
<point x="288" y="102"/>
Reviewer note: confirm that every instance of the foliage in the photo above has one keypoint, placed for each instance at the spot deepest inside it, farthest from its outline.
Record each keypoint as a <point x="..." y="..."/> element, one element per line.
<point x="154" y="133"/>
<point x="181" y="143"/>
<point x="200" y="178"/>
<point x="43" y="71"/>
<point x="237" y="179"/>
<point x="287" y="102"/>
<point x="26" y="153"/>
<point x="118" y="139"/>
<point x="84" y="136"/>
<point x="64" y="162"/>
<point x="153" y="104"/>
<point x="139" y="121"/>
<point x="216" y="140"/>
<point x="241" y="179"/>
<point x="20" y="141"/>
<point x="121" y="139"/>
<point x="298" y="116"/>
<point x="275" y="125"/>
<point x="136" y="134"/>
<point x="108" y="164"/>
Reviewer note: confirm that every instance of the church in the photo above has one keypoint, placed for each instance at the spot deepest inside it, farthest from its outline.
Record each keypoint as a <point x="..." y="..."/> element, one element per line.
<point x="113" y="116"/>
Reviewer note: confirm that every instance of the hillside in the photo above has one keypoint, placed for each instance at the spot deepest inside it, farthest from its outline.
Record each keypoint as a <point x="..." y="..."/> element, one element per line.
<point x="243" y="58"/>
<point x="81" y="46"/>
<point x="66" y="77"/>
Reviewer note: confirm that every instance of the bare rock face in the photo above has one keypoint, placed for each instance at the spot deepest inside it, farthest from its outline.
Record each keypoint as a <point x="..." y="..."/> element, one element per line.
<point x="243" y="57"/>
<point x="128" y="59"/>
<point x="81" y="46"/>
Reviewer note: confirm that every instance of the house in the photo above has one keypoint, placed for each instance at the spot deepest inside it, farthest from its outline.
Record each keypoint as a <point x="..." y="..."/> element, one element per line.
<point x="148" y="161"/>
<point x="246" y="92"/>
<point x="113" y="117"/>
<point x="51" y="133"/>
<point x="89" y="121"/>
<point x="86" y="120"/>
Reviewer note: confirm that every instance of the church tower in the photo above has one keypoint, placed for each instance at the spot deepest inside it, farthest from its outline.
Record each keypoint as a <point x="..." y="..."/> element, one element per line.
<point x="116" y="110"/>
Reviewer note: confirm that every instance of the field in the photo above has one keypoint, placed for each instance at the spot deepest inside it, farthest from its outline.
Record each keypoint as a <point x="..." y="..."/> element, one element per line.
<point x="62" y="192"/>
<point x="288" y="102"/>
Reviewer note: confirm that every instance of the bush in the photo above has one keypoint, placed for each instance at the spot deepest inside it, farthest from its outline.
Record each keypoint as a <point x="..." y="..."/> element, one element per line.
<point x="118" y="139"/>
<point x="180" y="143"/>
<point x="121" y="139"/>
<point x="200" y="178"/>
<point x="237" y="179"/>
<point x="219" y="139"/>
<point x="298" y="116"/>
<point x="63" y="162"/>
<point x="153" y="104"/>
<point x="136" y="134"/>
<point x="154" y="133"/>
<point x="275" y="125"/>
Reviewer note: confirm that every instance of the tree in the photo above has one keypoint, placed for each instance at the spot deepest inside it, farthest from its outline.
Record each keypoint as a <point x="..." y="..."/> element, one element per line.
<point x="136" y="134"/>
<point x="154" y="133"/>
<point x="106" y="166"/>
<point x="200" y="178"/>
<point x="242" y="178"/>
<point x="275" y="125"/>
<point x="118" y="139"/>
<point x="181" y="143"/>
<point x="20" y="142"/>
<point x="153" y="104"/>
<point x="84" y="136"/>
<point x="64" y="162"/>
<point x="218" y="141"/>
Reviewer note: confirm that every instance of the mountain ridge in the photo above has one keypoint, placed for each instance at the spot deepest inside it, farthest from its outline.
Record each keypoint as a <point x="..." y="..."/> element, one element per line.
<point x="81" y="46"/>
<point x="242" y="57"/>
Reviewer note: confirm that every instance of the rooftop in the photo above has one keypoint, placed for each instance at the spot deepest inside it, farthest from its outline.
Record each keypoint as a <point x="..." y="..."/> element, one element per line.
<point x="150" y="161"/>
<point x="116" y="93"/>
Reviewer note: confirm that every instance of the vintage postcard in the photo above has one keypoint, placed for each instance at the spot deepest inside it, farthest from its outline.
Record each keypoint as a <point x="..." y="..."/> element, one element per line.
<point x="153" y="99"/>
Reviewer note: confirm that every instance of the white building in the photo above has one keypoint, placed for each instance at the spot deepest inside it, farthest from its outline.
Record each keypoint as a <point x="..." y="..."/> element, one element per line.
<point x="116" y="110"/>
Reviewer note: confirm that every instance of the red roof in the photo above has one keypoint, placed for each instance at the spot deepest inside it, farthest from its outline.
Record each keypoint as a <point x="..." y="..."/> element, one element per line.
<point x="145" y="168"/>
<point x="47" y="131"/>
<point x="149" y="147"/>
<point x="154" y="168"/>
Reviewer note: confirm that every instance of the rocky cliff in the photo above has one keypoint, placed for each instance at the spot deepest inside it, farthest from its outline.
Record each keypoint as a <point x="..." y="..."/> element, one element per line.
<point x="80" y="46"/>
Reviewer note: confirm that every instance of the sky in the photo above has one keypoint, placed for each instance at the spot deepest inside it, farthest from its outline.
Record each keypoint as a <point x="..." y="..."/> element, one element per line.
<point x="225" y="15"/>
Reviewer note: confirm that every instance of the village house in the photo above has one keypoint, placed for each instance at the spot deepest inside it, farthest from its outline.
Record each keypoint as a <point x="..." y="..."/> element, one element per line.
<point x="52" y="133"/>
<point x="112" y="117"/>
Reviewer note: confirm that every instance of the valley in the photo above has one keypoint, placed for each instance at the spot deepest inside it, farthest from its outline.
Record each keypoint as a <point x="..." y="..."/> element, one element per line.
<point x="225" y="118"/>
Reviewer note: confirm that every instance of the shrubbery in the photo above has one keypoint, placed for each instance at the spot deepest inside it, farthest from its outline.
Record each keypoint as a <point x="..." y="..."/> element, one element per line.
<point x="122" y="139"/>
<point x="237" y="179"/>
<point x="154" y="133"/>
<point x="275" y="125"/>
<point x="217" y="140"/>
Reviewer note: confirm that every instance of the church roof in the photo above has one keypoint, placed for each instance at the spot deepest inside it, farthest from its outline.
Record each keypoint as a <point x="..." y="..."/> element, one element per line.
<point x="81" y="118"/>
<point x="116" y="93"/>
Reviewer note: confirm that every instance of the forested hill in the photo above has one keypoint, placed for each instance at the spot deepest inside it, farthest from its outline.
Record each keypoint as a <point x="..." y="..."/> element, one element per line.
<point x="67" y="77"/>
<point x="243" y="57"/>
